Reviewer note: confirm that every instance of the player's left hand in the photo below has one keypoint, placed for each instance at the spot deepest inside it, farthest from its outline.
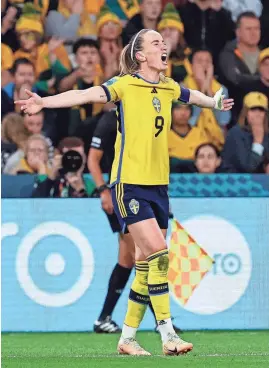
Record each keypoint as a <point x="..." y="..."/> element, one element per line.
<point x="221" y="103"/>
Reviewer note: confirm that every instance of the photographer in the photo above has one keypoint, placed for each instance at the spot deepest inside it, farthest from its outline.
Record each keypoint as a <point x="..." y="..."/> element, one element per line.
<point x="65" y="179"/>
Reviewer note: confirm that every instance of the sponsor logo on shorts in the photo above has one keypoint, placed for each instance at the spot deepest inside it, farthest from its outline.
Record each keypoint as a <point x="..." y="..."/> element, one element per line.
<point x="134" y="206"/>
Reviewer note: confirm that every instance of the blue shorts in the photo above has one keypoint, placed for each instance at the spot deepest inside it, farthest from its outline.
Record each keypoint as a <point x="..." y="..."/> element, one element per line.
<point x="134" y="203"/>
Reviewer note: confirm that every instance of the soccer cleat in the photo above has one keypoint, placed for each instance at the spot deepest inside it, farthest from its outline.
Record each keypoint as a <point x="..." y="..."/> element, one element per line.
<point x="176" y="346"/>
<point x="106" y="326"/>
<point x="130" y="347"/>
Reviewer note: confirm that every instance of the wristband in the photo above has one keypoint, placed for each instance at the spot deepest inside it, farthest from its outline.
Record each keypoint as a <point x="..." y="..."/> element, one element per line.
<point x="102" y="188"/>
<point x="218" y="99"/>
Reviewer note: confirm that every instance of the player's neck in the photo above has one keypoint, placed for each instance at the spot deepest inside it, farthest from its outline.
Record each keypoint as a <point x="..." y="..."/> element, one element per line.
<point x="149" y="75"/>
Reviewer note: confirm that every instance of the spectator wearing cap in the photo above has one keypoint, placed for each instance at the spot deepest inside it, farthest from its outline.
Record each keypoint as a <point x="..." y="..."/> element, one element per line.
<point x="241" y="6"/>
<point x="202" y="79"/>
<point x="49" y="59"/>
<point x="109" y="29"/>
<point x="207" y="25"/>
<point x="247" y="143"/>
<point x="239" y="60"/>
<point x="87" y="74"/>
<point x="62" y="183"/>
<point x="184" y="138"/>
<point x="148" y="17"/>
<point x="172" y="30"/>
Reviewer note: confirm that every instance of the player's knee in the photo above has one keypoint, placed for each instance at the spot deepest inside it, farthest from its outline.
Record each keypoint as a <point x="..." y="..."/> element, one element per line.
<point x="127" y="263"/>
<point x="126" y="259"/>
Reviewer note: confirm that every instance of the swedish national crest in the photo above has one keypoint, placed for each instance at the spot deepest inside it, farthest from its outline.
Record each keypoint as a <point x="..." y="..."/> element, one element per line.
<point x="156" y="104"/>
<point x="134" y="206"/>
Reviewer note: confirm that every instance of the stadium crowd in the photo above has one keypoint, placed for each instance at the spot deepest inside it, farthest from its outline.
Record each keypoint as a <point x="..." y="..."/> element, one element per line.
<point x="51" y="46"/>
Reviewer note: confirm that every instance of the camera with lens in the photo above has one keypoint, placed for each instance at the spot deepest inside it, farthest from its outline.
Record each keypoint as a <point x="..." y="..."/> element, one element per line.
<point x="72" y="161"/>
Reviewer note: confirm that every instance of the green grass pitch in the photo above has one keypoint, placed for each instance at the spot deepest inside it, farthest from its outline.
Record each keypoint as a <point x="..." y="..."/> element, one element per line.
<point x="81" y="350"/>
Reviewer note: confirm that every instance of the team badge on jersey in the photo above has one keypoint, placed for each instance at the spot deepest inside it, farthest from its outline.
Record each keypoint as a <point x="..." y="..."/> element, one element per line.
<point x="134" y="206"/>
<point x="156" y="104"/>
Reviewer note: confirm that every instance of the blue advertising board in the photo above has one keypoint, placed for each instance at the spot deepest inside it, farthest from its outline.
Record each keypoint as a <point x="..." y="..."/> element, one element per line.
<point x="57" y="256"/>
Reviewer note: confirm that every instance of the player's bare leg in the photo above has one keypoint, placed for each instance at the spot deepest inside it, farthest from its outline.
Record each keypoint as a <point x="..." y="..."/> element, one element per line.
<point x="151" y="241"/>
<point x="127" y="344"/>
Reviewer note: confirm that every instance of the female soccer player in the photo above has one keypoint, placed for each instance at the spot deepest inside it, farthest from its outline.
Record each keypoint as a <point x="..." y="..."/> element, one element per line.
<point x="140" y="172"/>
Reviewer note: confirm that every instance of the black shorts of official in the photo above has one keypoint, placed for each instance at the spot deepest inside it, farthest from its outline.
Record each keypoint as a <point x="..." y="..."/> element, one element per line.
<point x="135" y="203"/>
<point x="114" y="222"/>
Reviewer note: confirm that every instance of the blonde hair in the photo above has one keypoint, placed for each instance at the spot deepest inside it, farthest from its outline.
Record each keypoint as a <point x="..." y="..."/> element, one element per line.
<point x="128" y="61"/>
<point x="13" y="129"/>
<point x="37" y="137"/>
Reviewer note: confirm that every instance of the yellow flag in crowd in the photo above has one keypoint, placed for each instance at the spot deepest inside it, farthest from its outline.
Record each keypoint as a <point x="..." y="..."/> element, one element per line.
<point x="188" y="263"/>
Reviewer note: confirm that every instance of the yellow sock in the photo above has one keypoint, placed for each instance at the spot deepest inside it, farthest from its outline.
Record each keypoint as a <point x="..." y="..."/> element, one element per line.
<point x="158" y="284"/>
<point x="139" y="296"/>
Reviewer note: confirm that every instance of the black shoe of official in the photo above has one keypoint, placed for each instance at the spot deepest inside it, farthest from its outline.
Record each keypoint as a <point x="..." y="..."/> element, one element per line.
<point x="177" y="329"/>
<point x="106" y="326"/>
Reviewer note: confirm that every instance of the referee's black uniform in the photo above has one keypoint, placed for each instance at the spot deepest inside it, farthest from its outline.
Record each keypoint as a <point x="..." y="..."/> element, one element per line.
<point x="103" y="139"/>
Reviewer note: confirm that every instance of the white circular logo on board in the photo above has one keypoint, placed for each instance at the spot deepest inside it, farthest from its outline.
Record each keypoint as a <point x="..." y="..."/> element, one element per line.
<point x="54" y="264"/>
<point x="228" y="279"/>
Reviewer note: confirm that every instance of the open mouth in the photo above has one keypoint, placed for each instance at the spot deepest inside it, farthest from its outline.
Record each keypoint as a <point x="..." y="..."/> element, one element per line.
<point x="164" y="58"/>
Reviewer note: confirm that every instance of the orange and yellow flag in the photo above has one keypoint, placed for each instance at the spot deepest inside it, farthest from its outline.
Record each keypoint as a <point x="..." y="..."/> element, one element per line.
<point x="188" y="263"/>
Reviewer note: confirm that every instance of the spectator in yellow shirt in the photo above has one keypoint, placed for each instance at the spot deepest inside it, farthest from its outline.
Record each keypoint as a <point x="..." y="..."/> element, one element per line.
<point x="73" y="19"/>
<point x="6" y="64"/>
<point x="185" y="138"/>
<point x="202" y="79"/>
<point x="49" y="59"/>
<point x="109" y="29"/>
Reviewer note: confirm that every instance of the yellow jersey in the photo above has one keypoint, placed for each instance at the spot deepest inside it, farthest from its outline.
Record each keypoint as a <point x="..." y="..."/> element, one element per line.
<point x="144" y="122"/>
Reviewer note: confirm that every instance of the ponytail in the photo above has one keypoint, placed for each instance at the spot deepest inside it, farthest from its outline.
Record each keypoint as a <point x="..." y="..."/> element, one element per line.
<point x="128" y="61"/>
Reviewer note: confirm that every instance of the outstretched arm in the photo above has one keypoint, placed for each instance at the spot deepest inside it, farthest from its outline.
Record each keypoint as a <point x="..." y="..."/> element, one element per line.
<point x="217" y="102"/>
<point x="67" y="99"/>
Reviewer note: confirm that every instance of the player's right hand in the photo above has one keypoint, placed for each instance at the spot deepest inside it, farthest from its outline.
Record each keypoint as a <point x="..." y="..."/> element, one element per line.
<point x="106" y="200"/>
<point x="31" y="106"/>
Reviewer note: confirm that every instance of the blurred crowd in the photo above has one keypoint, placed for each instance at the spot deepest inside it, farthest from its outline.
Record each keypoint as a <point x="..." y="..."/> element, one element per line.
<point x="51" y="46"/>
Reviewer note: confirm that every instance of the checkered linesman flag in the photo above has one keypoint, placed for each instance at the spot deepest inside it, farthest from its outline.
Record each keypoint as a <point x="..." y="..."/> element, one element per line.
<point x="188" y="263"/>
